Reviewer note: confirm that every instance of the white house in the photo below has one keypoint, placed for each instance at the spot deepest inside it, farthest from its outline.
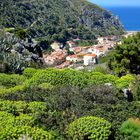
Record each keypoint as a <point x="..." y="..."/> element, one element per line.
<point x="56" y="45"/>
<point x="89" y="59"/>
<point x="97" y="51"/>
<point x="100" y="40"/>
<point x="71" y="44"/>
<point x="72" y="58"/>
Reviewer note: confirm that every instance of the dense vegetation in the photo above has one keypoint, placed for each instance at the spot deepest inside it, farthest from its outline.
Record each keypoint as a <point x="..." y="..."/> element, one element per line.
<point x="126" y="57"/>
<point x="66" y="104"/>
<point x="18" y="51"/>
<point x="58" y="19"/>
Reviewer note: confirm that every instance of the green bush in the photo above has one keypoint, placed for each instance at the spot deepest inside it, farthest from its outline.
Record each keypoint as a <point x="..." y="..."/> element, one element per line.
<point x="130" y="129"/>
<point x="14" y="127"/>
<point x="124" y="81"/>
<point x="20" y="107"/>
<point x="69" y="77"/>
<point x="12" y="90"/>
<point x="12" y="80"/>
<point x="91" y="128"/>
<point x="29" y="72"/>
<point x="36" y="107"/>
<point x="101" y="69"/>
<point x="46" y="86"/>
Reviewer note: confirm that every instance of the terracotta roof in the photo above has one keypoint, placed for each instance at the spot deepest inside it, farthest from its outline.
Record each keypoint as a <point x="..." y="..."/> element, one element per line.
<point x="72" y="56"/>
<point x="77" y="49"/>
<point x="92" y="55"/>
<point x="81" y="54"/>
<point x="70" y="42"/>
<point x="100" y="49"/>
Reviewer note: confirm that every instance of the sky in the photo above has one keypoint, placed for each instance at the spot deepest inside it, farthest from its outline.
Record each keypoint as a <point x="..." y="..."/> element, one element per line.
<point x="116" y="2"/>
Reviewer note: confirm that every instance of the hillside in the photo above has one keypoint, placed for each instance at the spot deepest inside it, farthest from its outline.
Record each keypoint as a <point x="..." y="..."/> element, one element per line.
<point x="52" y="104"/>
<point x="59" y="19"/>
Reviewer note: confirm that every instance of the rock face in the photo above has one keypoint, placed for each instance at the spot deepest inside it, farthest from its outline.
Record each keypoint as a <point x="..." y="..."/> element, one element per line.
<point x="59" y="19"/>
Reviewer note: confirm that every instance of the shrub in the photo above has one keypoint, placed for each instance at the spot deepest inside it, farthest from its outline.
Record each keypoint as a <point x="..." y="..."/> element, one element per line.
<point x="101" y="69"/>
<point x="35" y="107"/>
<point x="14" y="127"/>
<point x="89" y="128"/>
<point x="130" y="129"/>
<point x="46" y="86"/>
<point x="29" y="72"/>
<point x="69" y="77"/>
<point x="12" y="80"/>
<point x="100" y="94"/>
<point x="124" y="81"/>
<point x="20" y="107"/>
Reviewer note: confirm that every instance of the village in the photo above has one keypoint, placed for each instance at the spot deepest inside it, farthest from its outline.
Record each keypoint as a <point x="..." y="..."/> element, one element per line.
<point x="81" y="56"/>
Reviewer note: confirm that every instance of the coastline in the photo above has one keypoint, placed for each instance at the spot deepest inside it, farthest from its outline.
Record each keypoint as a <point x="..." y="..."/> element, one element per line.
<point x="132" y="31"/>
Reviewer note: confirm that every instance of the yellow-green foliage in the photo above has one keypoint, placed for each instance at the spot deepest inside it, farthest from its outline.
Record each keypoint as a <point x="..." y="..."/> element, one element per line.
<point x="14" y="127"/>
<point x="29" y="72"/>
<point x="51" y="77"/>
<point x="8" y="81"/>
<point x="11" y="83"/>
<point x="20" y="107"/>
<point x="69" y="77"/>
<point x="35" y="107"/>
<point x="46" y="86"/>
<point x="14" y="124"/>
<point x="124" y="81"/>
<point x="131" y="129"/>
<point x="91" y="128"/>
<point x="12" y="90"/>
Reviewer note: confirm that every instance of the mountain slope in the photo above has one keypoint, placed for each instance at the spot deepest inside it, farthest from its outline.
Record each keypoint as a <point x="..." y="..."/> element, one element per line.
<point x="59" y="19"/>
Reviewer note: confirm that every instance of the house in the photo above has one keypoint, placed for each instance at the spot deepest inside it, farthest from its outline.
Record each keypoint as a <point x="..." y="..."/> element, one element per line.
<point x="71" y="44"/>
<point x="64" y="64"/>
<point x="97" y="51"/>
<point x="90" y="59"/>
<point x="56" y="45"/>
<point x="72" y="58"/>
<point x="76" y="50"/>
<point x="101" y="40"/>
<point x="56" y="57"/>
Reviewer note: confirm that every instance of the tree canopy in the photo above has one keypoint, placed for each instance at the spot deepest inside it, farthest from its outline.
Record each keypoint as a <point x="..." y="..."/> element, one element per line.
<point x="126" y="57"/>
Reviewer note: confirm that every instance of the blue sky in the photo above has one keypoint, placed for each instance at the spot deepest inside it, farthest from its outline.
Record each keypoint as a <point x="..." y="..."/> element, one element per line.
<point x="117" y="2"/>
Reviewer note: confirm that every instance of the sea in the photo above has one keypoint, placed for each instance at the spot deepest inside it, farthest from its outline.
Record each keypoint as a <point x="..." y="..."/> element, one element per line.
<point x="129" y="16"/>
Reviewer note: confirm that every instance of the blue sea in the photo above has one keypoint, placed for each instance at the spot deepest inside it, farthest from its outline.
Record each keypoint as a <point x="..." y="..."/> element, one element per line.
<point x="129" y="16"/>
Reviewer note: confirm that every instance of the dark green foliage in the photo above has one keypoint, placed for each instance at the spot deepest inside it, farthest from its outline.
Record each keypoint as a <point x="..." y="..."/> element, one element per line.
<point x="126" y="57"/>
<point x="100" y="94"/>
<point x="21" y="33"/>
<point x="58" y="19"/>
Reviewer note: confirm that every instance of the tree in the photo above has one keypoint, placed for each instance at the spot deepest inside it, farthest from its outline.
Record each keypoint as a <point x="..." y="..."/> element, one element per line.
<point x="126" y="57"/>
